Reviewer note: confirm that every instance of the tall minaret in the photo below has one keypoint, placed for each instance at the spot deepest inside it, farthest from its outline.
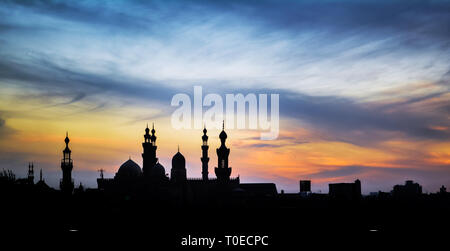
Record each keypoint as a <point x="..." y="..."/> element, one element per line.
<point x="66" y="184"/>
<point x="30" y="173"/>
<point x="222" y="170"/>
<point x="149" y="159"/>
<point x="205" y="158"/>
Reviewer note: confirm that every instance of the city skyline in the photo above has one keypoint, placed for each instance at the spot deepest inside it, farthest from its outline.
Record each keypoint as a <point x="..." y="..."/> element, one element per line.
<point x="364" y="86"/>
<point x="169" y="170"/>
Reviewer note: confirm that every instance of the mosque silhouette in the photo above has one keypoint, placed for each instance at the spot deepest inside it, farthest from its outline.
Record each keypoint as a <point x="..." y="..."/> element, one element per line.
<point x="152" y="181"/>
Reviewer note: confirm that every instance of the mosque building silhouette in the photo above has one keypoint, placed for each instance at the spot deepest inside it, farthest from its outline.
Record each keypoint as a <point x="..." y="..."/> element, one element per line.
<point x="151" y="181"/>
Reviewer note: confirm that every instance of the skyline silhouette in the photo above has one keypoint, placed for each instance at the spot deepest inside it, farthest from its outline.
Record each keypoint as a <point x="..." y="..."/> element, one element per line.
<point x="167" y="210"/>
<point x="178" y="172"/>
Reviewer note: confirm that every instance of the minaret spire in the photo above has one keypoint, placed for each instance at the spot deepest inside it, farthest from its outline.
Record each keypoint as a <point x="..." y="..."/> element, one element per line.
<point x="205" y="158"/>
<point x="149" y="159"/>
<point x="222" y="170"/>
<point x="31" y="173"/>
<point x="66" y="184"/>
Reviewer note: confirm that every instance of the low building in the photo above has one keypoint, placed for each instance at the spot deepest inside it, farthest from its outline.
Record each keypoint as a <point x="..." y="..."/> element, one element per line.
<point x="409" y="190"/>
<point x="305" y="186"/>
<point x="346" y="191"/>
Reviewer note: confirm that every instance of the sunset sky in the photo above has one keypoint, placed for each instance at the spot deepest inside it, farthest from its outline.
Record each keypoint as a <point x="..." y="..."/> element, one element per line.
<point x="364" y="86"/>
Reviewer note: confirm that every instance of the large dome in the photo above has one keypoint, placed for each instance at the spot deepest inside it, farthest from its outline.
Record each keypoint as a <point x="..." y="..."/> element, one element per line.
<point x="129" y="169"/>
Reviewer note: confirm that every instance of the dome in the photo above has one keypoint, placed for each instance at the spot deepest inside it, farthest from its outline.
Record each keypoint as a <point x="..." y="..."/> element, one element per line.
<point x="129" y="169"/>
<point x="159" y="170"/>
<point x="178" y="161"/>
<point x="67" y="138"/>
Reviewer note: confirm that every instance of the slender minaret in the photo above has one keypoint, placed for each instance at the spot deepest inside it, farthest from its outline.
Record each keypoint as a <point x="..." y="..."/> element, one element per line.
<point x="205" y="158"/>
<point x="149" y="159"/>
<point x="66" y="184"/>
<point x="222" y="170"/>
<point x="30" y="173"/>
<point x="40" y="175"/>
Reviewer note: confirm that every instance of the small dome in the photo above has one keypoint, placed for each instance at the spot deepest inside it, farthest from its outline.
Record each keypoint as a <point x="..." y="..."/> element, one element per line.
<point x="178" y="161"/>
<point x="223" y="135"/>
<point x="205" y="137"/>
<point x="67" y="138"/>
<point x="129" y="169"/>
<point x="153" y="129"/>
<point x="159" y="170"/>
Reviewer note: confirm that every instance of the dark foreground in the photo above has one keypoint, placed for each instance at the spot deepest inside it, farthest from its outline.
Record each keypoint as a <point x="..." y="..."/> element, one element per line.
<point x="285" y="222"/>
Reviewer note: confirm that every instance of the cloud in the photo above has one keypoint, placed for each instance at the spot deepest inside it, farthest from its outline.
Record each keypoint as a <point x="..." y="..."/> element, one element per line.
<point x="344" y="116"/>
<point x="304" y="46"/>
<point x="43" y="74"/>
<point x="342" y="171"/>
<point x="5" y="130"/>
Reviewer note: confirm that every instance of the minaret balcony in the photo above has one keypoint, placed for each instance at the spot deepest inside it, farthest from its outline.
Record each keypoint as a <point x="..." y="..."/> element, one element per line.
<point x="64" y="161"/>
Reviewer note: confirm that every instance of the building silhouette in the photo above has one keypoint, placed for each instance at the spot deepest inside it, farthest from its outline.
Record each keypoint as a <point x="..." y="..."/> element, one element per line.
<point x="31" y="173"/>
<point x="222" y="170"/>
<point x="347" y="191"/>
<point x="152" y="180"/>
<point x="205" y="158"/>
<point x="408" y="190"/>
<point x="178" y="172"/>
<point x="66" y="184"/>
<point x="305" y="186"/>
<point x="41" y="185"/>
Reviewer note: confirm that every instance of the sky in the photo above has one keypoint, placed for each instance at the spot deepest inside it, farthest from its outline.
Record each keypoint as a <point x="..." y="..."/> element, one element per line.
<point x="363" y="85"/>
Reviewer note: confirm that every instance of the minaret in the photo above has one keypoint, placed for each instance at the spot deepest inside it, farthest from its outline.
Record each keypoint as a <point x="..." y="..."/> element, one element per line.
<point x="205" y="158"/>
<point x="40" y="175"/>
<point x="66" y="184"/>
<point x="30" y="173"/>
<point x="149" y="159"/>
<point x="222" y="170"/>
